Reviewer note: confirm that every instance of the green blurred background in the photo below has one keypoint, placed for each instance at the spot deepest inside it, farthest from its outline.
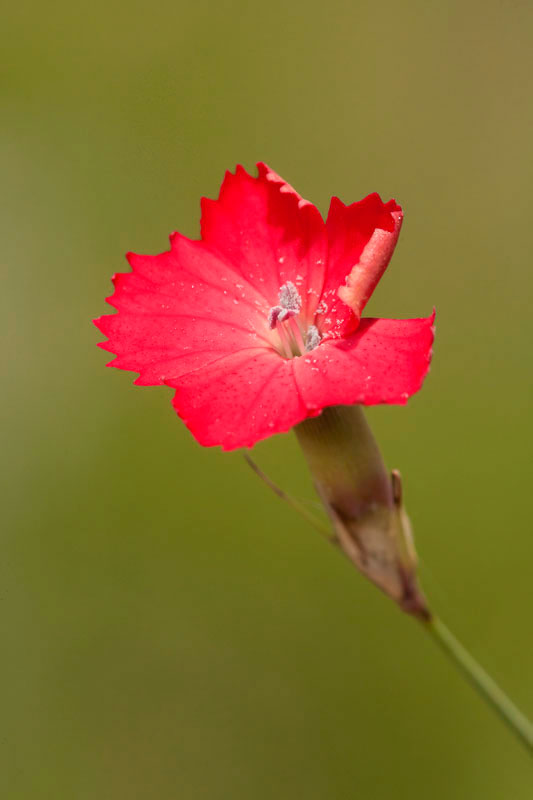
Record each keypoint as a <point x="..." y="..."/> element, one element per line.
<point x="169" y="628"/>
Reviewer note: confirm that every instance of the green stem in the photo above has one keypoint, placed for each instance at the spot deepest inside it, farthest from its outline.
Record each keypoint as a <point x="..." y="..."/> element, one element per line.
<point x="301" y="509"/>
<point x="482" y="682"/>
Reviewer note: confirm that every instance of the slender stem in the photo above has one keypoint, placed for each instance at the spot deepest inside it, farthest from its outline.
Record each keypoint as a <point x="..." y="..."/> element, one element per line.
<point x="482" y="682"/>
<point x="301" y="509"/>
<point x="348" y="469"/>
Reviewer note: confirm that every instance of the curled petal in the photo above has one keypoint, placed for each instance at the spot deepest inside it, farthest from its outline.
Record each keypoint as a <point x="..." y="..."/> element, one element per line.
<point x="365" y="275"/>
<point x="362" y="237"/>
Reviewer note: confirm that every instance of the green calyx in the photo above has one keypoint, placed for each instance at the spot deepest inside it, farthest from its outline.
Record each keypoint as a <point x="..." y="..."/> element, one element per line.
<point x="364" y="502"/>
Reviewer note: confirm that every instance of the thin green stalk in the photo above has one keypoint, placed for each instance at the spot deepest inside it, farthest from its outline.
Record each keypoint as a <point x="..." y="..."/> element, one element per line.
<point x="301" y="509"/>
<point x="460" y="657"/>
<point x="481" y="681"/>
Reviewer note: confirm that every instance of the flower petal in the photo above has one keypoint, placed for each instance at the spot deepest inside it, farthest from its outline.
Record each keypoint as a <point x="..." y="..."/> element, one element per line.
<point x="240" y="399"/>
<point x="176" y="314"/>
<point x="362" y="237"/>
<point x="384" y="361"/>
<point x="266" y="231"/>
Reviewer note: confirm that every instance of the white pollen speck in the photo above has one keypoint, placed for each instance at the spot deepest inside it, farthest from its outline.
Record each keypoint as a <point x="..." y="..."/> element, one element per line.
<point x="236" y="302"/>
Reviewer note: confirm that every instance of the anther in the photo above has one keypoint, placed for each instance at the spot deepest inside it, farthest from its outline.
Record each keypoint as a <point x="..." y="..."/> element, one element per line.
<point x="290" y="304"/>
<point x="312" y="338"/>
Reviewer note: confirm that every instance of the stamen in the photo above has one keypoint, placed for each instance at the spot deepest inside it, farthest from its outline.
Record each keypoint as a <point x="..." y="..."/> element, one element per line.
<point x="290" y="335"/>
<point x="297" y="336"/>
<point x="285" y="341"/>
<point x="313" y="338"/>
<point x="289" y="297"/>
<point x="273" y="316"/>
<point x="290" y="304"/>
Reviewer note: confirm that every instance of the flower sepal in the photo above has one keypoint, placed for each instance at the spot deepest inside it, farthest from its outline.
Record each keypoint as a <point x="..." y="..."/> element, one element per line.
<point x="364" y="503"/>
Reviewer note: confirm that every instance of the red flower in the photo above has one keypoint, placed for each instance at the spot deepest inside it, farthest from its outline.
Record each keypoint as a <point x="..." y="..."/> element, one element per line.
<point x="257" y="324"/>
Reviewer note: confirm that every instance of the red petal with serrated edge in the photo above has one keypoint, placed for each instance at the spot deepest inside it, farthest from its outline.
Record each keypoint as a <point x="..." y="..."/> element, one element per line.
<point x="264" y="229"/>
<point x="240" y="399"/>
<point x="180" y="311"/>
<point x="362" y="237"/>
<point x="384" y="361"/>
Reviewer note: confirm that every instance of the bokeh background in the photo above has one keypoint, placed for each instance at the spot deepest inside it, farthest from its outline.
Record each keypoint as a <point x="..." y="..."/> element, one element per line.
<point x="169" y="628"/>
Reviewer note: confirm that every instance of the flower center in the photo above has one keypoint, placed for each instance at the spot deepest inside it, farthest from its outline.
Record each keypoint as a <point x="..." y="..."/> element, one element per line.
<point x="295" y="337"/>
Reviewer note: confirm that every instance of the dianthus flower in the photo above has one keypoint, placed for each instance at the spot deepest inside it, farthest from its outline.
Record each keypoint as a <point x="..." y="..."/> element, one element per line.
<point x="257" y="325"/>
